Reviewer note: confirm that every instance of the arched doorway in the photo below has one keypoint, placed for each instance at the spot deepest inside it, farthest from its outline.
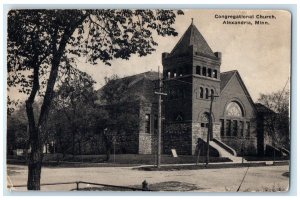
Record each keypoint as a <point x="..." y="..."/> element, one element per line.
<point x="204" y="122"/>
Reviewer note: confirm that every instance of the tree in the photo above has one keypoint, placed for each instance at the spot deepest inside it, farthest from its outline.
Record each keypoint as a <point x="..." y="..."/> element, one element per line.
<point x="277" y="121"/>
<point x="42" y="46"/>
<point x="74" y="101"/>
<point x="122" y="110"/>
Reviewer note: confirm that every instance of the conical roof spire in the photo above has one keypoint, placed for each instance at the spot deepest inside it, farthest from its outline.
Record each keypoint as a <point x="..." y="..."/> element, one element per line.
<point x="192" y="37"/>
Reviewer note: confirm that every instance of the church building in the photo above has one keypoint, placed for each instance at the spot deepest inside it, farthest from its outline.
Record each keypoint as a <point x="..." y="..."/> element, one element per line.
<point x="193" y="78"/>
<point x="194" y="83"/>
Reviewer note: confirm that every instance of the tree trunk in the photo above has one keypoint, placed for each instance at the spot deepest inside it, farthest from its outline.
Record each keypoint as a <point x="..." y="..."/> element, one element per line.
<point x="34" y="169"/>
<point x="36" y="137"/>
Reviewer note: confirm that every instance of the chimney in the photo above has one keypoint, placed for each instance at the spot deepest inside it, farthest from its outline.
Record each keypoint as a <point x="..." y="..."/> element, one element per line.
<point x="218" y="55"/>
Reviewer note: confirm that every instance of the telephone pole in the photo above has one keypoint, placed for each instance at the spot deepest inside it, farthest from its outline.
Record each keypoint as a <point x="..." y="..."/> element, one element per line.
<point x="159" y="93"/>
<point x="210" y="128"/>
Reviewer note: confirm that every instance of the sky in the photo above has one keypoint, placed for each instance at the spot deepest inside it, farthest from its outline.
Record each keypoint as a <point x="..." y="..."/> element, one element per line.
<point x="261" y="53"/>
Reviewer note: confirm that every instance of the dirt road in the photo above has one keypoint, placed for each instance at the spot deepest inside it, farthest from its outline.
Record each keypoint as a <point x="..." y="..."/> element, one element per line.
<point x="203" y="180"/>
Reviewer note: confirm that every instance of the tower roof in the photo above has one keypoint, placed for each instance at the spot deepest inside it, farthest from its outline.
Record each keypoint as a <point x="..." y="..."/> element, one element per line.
<point x="192" y="37"/>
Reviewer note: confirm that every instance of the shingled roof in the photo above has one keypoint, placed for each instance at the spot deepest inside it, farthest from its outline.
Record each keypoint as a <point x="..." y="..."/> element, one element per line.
<point x="225" y="77"/>
<point x="192" y="37"/>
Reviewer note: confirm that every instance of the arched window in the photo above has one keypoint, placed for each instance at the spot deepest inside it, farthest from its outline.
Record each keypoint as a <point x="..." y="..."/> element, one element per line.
<point x="180" y="72"/>
<point x="212" y="92"/>
<point x="234" y="120"/>
<point x="201" y="92"/>
<point x="204" y="71"/>
<point x="206" y="93"/>
<point x="169" y="74"/>
<point x="215" y="74"/>
<point x="209" y="72"/>
<point x="233" y="109"/>
<point x="198" y="70"/>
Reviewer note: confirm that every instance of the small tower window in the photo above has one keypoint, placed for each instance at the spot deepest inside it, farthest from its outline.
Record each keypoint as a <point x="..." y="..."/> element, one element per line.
<point x="209" y="72"/>
<point x="212" y="92"/>
<point x="201" y="92"/>
<point x="198" y="70"/>
<point x="172" y="74"/>
<point x="147" y="123"/>
<point x="180" y="72"/>
<point x="204" y="71"/>
<point x="215" y="74"/>
<point x="169" y="74"/>
<point x="206" y="93"/>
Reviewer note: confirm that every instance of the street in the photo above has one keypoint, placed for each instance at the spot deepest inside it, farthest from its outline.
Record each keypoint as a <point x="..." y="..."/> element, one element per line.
<point x="203" y="180"/>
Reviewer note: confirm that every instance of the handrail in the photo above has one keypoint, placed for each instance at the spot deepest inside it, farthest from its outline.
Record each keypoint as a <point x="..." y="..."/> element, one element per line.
<point x="226" y="147"/>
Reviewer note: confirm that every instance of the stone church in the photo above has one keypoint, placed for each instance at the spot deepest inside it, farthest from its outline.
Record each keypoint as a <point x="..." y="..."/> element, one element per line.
<point x="191" y="76"/>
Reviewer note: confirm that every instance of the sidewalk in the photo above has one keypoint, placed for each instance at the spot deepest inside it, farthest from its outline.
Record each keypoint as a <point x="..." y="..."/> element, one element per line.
<point x="211" y="165"/>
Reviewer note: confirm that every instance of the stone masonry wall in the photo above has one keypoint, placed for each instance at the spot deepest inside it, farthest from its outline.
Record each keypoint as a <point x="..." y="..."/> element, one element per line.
<point x="177" y="136"/>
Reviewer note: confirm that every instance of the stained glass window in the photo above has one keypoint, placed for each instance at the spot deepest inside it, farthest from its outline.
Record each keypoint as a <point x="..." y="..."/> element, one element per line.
<point x="234" y="110"/>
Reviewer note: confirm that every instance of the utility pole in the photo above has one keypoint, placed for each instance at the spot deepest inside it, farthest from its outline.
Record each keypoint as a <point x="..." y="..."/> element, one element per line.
<point x="159" y="93"/>
<point x="210" y="128"/>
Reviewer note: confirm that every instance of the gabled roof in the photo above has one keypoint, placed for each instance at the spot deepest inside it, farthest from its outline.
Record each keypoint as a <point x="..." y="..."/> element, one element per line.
<point x="263" y="109"/>
<point x="192" y="37"/>
<point x="227" y="76"/>
<point x="135" y="85"/>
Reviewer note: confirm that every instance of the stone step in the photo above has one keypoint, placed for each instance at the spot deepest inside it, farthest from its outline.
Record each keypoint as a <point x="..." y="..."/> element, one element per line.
<point x="224" y="153"/>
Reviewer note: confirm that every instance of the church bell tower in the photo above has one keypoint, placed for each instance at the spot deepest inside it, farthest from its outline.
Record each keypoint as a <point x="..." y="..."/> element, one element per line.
<point x="191" y="73"/>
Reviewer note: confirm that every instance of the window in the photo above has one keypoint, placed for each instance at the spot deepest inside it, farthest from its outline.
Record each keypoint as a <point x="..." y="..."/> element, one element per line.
<point x="180" y="72"/>
<point x="198" y="70"/>
<point x="174" y="73"/>
<point x="222" y="127"/>
<point x="248" y="129"/>
<point x="147" y="123"/>
<point x="206" y="93"/>
<point x="234" y="110"/>
<point x="204" y="120"/>
<point x="241" y="128"/>
<point x="215" y="74"/>
<point x="169" y="74"/>
<point x="228" y="127"/>
<point x="204" y="71"/>
<point x="234" y="127"/>
<point x="209" y="72"/>
<point x="201" y="92"/>
<point x="212" y="92"/>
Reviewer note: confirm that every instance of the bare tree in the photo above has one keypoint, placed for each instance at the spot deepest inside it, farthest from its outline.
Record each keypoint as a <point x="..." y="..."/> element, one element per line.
<point x="277" y="121"/>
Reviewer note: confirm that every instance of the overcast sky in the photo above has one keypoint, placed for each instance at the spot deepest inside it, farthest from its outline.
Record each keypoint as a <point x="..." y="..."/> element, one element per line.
<point x="261" y="53"/>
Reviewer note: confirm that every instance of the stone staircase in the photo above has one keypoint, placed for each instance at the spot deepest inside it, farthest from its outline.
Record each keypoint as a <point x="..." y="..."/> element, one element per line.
<point x="225" y="153"/>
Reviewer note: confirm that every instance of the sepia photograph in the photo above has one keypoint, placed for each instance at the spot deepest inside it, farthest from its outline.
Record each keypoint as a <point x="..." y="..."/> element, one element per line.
<point x="148" y="100"/>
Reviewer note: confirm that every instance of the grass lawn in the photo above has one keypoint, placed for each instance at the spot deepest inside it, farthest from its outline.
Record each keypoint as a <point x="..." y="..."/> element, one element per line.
<point x="120" y="159"/>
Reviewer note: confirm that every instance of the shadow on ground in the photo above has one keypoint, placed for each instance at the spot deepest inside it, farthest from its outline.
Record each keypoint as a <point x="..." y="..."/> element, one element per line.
<point x="162" y="186"/>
